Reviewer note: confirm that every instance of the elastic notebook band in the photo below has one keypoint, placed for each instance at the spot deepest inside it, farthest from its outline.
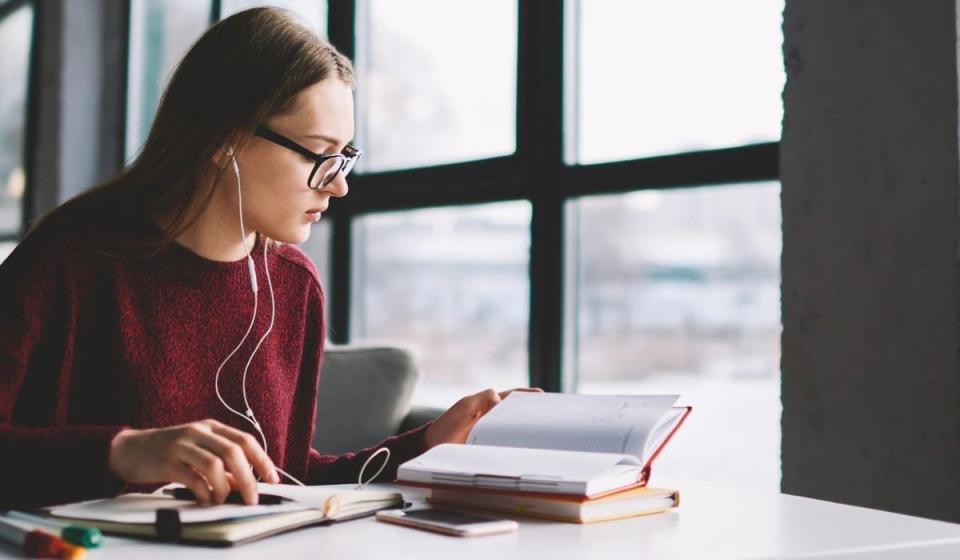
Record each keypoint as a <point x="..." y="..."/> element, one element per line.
<point x="168" y="525"/>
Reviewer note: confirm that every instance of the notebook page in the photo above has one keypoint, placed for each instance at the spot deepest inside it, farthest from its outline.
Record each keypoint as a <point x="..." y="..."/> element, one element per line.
<point x="142" y="508"/>
<point x="318" y="496"/>
<point x="597" y="423"/>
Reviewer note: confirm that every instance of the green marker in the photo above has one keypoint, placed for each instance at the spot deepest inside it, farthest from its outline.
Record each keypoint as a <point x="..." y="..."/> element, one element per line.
<point x="87" y="537"/>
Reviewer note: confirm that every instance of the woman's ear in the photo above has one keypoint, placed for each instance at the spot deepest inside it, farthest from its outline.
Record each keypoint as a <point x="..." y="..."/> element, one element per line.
<point x="230" y="147"/>
<point x="223" y="156"/>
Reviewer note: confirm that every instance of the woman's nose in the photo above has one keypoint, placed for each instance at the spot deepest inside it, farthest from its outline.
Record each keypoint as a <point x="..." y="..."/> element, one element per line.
<point x="338" y="186"/>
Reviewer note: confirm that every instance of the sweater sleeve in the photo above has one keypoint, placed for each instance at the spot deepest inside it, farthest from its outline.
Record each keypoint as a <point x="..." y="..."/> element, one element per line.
<point x="45" y="460"/>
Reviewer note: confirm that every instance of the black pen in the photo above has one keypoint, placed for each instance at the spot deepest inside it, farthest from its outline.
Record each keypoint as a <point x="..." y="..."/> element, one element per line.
<point x="232" y="497"/>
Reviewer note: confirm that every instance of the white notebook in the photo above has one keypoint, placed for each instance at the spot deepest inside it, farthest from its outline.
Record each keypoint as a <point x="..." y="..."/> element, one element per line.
<point x="583" y="445"/>
<point x="136" y="515"/>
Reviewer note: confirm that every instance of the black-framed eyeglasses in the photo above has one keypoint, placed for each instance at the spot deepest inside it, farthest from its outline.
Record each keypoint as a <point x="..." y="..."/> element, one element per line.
<point x="325" y="167"/>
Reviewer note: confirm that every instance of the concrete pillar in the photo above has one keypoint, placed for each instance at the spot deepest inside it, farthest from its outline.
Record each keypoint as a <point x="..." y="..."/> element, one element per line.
<point x="871" y="225"/>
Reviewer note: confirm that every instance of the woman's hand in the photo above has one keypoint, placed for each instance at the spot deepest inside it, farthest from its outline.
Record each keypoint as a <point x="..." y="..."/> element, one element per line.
<point x="208" y="457"/>
<point x="454" y="424"/>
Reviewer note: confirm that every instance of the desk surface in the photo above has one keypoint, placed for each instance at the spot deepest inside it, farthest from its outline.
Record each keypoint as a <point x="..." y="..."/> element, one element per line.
<point x="711" y="522"/>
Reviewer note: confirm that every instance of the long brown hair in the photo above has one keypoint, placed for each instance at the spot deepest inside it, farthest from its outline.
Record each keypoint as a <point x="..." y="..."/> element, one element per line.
<point x="242" y="70"/>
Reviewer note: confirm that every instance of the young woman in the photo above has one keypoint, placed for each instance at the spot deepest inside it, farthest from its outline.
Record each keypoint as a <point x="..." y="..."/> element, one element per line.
<point x="162" y="327"/>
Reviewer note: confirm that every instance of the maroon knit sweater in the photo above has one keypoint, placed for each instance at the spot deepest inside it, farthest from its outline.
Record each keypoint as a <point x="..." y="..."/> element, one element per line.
<point x="91" y="343"/>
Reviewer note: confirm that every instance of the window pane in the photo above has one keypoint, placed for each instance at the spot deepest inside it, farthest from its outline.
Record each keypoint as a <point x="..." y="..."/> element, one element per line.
<point x="161" y="32"/>
<point x="15" y="39"/>
<point x="313" y="12"/>
<point x="437" y="81"/>
<point x="6" y="248"/>
<point x="679" y="291"/>
<point x="317" y="247"/>
<point x="451" y="284"/>
<point x="657" y="77"/>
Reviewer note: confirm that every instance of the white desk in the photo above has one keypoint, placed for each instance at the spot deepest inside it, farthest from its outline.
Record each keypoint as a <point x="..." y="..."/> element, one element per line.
<point x="711" y="523"/>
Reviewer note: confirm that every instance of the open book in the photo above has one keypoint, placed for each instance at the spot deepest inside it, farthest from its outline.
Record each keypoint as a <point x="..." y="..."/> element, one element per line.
<point x="582" y="445"/>
<point x="162" y="517"/>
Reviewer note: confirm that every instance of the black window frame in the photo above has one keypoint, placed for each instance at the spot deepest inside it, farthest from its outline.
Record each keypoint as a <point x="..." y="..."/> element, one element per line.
<point x="537" y="172"/>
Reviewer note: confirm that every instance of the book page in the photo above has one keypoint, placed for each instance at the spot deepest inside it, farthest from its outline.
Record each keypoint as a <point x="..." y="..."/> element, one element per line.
<point x="453" y="463"/>
<point x="660" y="432"/>
<point x="596" y="423"/>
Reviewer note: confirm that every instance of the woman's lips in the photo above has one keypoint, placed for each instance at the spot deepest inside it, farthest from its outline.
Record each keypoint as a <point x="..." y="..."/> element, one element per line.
<point x="314" y="214"/>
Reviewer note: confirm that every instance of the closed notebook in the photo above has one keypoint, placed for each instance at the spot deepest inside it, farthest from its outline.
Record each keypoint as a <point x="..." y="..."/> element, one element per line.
<point x="573" y="509"/>
<point x="555" y="443"/>
<point x="161" y="517"/>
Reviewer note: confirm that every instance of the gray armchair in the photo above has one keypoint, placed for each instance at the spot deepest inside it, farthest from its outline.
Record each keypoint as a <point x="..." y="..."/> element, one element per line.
<point x="364" y="396"/>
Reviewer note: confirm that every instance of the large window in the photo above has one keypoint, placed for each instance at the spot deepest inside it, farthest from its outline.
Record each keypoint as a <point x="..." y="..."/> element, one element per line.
<point x="16" y="29"/>
<point x="638" y="165"/>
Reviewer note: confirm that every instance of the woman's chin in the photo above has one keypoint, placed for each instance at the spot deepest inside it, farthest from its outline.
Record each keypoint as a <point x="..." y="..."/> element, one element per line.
<point x="292" y="236"/>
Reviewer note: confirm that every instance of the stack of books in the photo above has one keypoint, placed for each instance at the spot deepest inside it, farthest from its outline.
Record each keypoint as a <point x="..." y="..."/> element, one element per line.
<point x="618" y="504"/>
<point x="574" y="458"/>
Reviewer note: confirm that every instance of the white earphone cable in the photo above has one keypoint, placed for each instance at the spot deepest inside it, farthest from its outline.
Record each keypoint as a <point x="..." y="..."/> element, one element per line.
<point x="253" y="318"/>
<point x="246" y="368"/>
<point x="249" y="415"/>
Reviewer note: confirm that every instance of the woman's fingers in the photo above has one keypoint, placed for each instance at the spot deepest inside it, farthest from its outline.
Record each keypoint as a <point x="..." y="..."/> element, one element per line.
<point x="209" y="466"/>
<point x="234" y="460"/>
<point x="503" y="394"/>
<point x="483" y="401"/>
<point x="488" y="400"/>
<point x="251" y="449"/>
<point x="184" y="474"/>
<point x="208" y="450"/>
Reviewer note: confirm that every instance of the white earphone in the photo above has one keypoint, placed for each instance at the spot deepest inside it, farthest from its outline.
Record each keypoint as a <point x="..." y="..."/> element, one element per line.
<point x="248" y="414"/>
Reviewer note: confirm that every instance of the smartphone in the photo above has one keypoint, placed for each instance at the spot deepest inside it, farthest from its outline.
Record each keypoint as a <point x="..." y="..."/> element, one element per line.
<point x="447" y="522"/>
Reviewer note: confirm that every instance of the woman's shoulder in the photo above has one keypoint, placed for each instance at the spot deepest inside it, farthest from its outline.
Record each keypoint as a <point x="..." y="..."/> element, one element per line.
<point x="73" y="230"/>
<point x="52" y="239"/>
<point x="50" y="254"/>
<point x="72" y="236"/>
